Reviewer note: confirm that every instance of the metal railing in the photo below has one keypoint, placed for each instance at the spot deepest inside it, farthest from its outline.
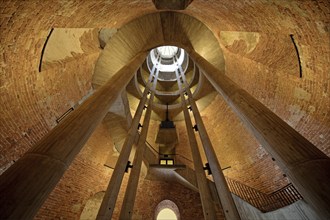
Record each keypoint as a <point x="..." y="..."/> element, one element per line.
<point x="262" y="201"/>
<point x="265" y="202"/>
<point x="175" y="155"/>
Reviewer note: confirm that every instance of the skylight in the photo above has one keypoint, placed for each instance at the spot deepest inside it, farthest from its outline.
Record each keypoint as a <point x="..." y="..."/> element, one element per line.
<point x="167" y="52"/>
<point x="167" y="58"/>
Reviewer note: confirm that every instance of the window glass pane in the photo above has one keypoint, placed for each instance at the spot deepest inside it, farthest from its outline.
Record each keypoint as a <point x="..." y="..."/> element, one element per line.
<point x="169" y="162"/>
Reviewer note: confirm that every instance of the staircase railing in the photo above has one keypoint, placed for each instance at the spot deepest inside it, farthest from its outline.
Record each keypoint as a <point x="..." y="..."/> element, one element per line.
<point x="176" y="155"/>
<point x="265" y="202"/>
<point x="262" y="201"/>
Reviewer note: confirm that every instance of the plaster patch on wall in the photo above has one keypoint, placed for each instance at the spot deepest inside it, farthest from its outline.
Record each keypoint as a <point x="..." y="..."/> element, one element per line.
<point x="321" y="27"/>
<point x="311" y="109"/>
<point x="251" y="39"/>
<point x="64" y="43"/>
<point x="307" y="62"/>
<point x="296" y="115"/>
<point x="302" y="94"/>
<point x="261" y="152"/>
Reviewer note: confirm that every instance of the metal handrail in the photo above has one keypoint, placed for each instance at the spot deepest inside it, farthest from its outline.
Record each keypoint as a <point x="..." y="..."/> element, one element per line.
<point x="148" y="144"/>
<point x="262" y="201"/>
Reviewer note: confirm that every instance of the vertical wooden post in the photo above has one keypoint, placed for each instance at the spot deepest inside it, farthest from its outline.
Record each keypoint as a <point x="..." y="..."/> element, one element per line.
<point x="306" y="166"/>
<point x="224" y="194"/>
<point x="203" y="187"/>
<point x="26" y="184"/>
<point x="133" y="181"/>
<point x="109" y="201"/>
<point x="111" y="194"/>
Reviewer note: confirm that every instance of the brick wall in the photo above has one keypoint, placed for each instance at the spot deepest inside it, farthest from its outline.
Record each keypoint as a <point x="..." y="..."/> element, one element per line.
<point x="232" y="142"/>
<point x="87" y="175"/>
<point x="151" y="193"/>
<point x="301" y="102"/>
<point x="31" y="101"/>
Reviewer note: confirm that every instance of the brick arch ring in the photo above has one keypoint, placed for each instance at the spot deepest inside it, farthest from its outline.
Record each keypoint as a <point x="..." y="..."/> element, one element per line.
<point x="167" y="204"/>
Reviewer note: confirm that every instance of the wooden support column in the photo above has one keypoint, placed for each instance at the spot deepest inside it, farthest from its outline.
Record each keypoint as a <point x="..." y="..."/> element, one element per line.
<point x="133" y="181"/>
<point x="202" y="182"/>
<point x="26" y="184"/>
<point x="305" y="165"/>
<point x="224" y="194"/>
<point x="111" y="194"/>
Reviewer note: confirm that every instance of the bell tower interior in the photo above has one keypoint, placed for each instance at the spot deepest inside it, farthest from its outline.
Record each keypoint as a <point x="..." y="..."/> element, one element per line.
<point x="155" y="109"/>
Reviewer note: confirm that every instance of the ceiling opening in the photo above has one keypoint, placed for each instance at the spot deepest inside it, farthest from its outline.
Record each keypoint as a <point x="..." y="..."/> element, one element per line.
<point x="167" y="52"/>
<point x="167" y="59"/>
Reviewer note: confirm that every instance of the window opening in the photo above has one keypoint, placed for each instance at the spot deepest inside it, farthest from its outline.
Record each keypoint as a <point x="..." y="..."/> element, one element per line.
<point x="166" y="162"/>
<point x="166" y="214"/>
<point x="297" y="51"/>
<point x="168" y="210"/>
<point x="44" y="47"/>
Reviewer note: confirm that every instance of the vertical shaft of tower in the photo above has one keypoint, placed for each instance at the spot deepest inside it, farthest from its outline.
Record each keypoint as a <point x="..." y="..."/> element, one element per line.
<point x="133" y="181"/>
<point x="26" y="184"/>
<point x="305" y="165"/>
<point x="224" y="194"/>
<point x="202" y="182"/>
<point x="111" y="194"/>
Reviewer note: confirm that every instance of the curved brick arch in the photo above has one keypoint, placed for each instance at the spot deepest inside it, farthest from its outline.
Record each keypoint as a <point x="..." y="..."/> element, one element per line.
<point x="167" y="204"/>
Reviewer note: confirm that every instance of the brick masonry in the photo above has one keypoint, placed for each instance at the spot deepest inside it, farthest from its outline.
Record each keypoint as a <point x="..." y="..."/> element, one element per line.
<point x="87" y="175"/>
<point x="31" y="101"/>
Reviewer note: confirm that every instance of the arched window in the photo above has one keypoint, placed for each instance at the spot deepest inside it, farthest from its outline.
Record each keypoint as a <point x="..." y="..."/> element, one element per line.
<point x="166" y="214"/>
<point x="167" y="210"/>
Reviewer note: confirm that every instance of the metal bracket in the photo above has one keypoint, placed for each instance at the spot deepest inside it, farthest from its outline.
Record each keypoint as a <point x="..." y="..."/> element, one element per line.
<point x="64" y="115"/>
<point x="128" y="166"/>
<point x="226" y="168"/>
<point x="207" y="167"/>
<point x="195" y="128"/>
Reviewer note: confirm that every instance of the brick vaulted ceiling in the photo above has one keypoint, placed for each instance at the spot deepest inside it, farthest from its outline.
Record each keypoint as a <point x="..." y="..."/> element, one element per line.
<point x="258" y="52"/>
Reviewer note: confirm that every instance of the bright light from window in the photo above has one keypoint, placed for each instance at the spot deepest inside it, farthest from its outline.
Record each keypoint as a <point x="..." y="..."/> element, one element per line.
<point x="166" y="214"/>
<point x="167" y="51"/>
